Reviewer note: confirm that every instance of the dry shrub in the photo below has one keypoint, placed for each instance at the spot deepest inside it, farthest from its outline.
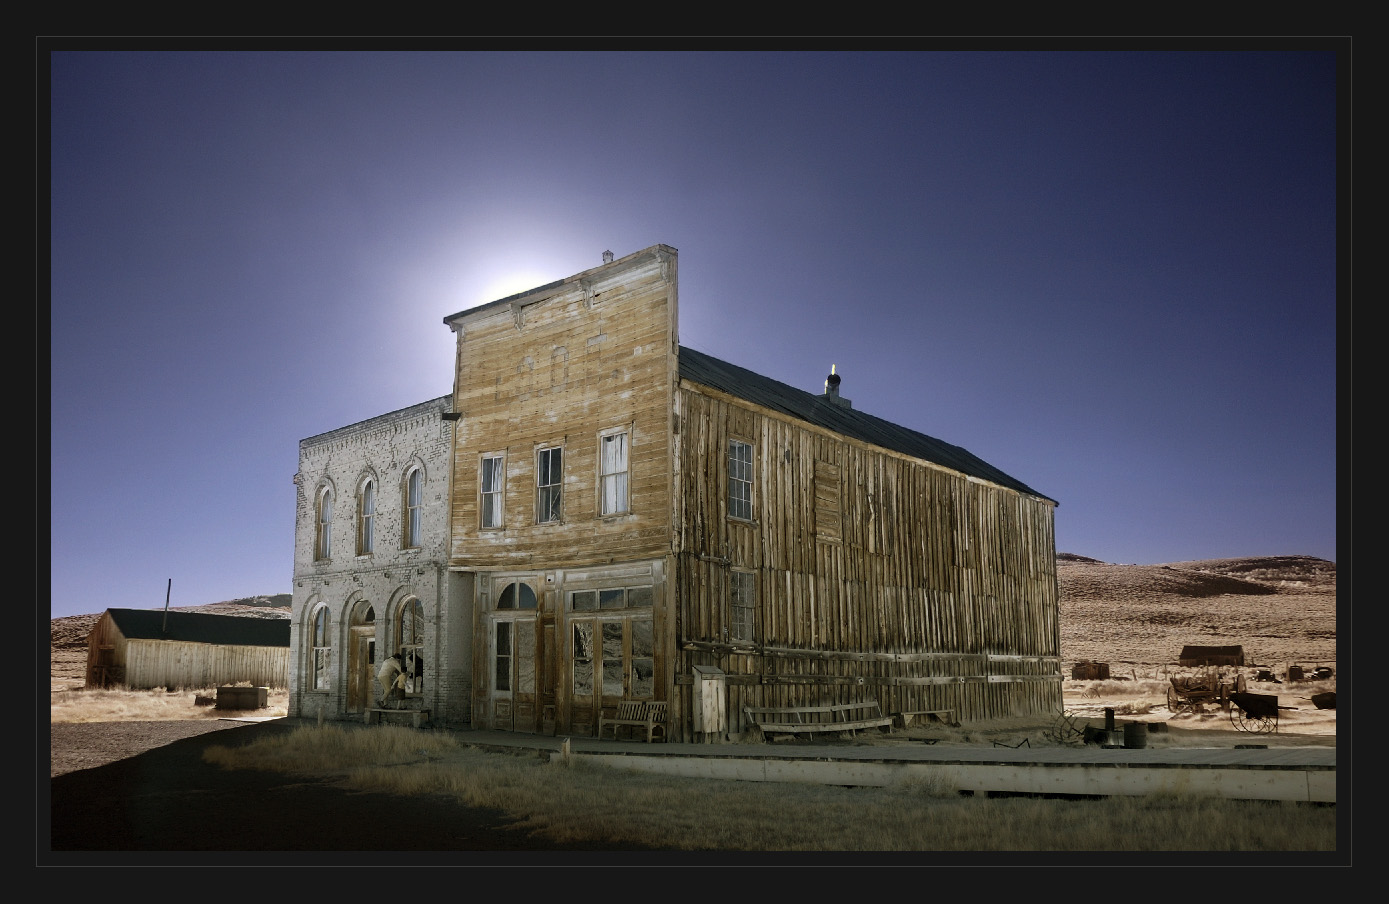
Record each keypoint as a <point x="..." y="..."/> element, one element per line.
<point x="588" y="804"/>
<point x="335" y="748"/>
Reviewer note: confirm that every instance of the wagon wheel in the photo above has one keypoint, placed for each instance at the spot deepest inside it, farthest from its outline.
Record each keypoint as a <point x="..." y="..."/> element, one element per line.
<point x="1253" y="724"/>
<point x="1174" y="700"/>
<point x="1067" y="729"/>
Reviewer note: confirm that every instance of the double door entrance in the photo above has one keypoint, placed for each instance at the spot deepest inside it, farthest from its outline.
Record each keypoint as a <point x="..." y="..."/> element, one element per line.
<point x="556" y="672"/>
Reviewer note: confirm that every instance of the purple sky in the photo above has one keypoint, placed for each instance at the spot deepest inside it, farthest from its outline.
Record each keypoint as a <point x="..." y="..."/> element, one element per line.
<point x="1110" y="274"/>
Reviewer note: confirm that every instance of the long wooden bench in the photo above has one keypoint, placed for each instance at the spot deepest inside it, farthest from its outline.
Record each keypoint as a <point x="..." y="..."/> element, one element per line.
<point x="818" y="719"/>
<point x="649" y="715"/>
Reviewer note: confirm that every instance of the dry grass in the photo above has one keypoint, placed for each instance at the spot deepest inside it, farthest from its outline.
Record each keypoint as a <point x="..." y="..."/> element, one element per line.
<point x="158" y="705"/>
<point x="601" y="806"/>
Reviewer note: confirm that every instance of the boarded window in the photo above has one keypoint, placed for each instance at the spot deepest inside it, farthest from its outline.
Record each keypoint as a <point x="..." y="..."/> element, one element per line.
<point x="742" y="600"/>
<point x="828" y="514"/>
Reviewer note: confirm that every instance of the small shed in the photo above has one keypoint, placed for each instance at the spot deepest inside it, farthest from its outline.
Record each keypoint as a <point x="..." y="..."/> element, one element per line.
<point x="1090" y="670"/>
<point x="146" y="648"/>
<point x="1198" y="655"/>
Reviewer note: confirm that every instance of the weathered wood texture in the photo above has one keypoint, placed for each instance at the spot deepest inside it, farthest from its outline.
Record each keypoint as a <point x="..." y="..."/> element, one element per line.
<point x="559" y="369"/>
<point x="875" y="573"/>
<point x="143" y="664"/>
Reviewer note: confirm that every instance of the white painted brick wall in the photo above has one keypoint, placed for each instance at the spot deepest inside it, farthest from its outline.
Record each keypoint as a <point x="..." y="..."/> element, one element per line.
<point x="386" y="447"/>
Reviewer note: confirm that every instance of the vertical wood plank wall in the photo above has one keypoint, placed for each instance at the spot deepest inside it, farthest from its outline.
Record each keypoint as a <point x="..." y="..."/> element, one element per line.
<point x="928" y="591"/>
<point x="144" y="664"/>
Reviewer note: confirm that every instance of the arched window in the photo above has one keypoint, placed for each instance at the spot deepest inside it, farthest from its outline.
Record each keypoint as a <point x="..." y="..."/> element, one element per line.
<point x="366" y="518"/>
<point x="323" y="542"/>
<point x="517" y="596"/>
<point x="410" y="630"/>
<point x="322" y="648"/>
<point x="414" y="508"/>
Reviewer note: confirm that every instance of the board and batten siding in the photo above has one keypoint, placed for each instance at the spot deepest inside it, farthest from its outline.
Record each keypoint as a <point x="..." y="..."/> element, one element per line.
<point x="173" y="664"/>
<point x="878" y="576"/>
<point x="140" y="664"/>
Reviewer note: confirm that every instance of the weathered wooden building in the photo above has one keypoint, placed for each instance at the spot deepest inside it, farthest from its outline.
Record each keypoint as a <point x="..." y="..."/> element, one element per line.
<point x="632" y="519"/>
<point x="1195" y="654"/>
<point x="147" y="648"/>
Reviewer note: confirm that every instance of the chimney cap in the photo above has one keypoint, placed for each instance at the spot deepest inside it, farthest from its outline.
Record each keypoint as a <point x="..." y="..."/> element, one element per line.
<point x="607" y="257"/>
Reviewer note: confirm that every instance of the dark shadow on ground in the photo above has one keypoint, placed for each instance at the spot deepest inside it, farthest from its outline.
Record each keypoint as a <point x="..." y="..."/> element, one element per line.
<point x="172" y="804"/>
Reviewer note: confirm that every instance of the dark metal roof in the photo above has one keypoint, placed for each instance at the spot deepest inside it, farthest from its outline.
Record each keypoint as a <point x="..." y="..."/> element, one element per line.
<point x="200" y="627"/>
<point x="698" y="367"/>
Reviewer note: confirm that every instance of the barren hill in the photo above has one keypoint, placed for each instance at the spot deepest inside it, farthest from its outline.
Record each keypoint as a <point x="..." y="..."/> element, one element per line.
<point x="1281" y="609"/>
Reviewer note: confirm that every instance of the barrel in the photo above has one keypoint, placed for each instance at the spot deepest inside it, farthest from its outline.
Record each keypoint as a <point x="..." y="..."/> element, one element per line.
<point x="1135" y="735"/>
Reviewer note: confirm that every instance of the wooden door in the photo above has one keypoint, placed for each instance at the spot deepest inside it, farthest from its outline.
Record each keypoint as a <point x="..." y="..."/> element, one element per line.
<point x="361" y="669"/>
<point x="516" y="666"/>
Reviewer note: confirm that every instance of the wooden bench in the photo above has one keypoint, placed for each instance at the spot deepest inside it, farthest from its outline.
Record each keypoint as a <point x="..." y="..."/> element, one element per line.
<point x="907" y="717"/>
<point x="418" y="717"/>
<point x="818" y="719"/>
<point x="647" y="714"/>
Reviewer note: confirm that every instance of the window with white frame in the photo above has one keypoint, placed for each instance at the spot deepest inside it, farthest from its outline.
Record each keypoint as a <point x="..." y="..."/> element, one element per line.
<point x="366" y="518"/>
<point x="739" y="480"/>
<point x="613" y="473"/>
<point x="549" y="484"/>
<point x="742" y="601"/>
<point x="322" y="648"/>
<point x="414" y="508"/>
<point x="323" y="538"/>
<point x="493" y="482"/>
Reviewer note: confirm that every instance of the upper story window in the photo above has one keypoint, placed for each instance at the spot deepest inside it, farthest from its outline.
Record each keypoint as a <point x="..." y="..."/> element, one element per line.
<point x="323" y="537"/>
<point x="414" y="508"/>
<point x="613" y="474"/>
<point x="739" y="480"/>
<point x="366" y="519"/>
<point x="828" y="516"/>
<point x="549" y="483"/>
<point x="493" y="483"/>
<point x="742" y="604"/>
<point x="322" y="648"/>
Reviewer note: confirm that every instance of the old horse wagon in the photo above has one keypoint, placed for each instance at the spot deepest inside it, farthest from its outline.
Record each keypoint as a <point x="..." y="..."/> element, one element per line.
<point x="1257" y="713"/>
<point x="1192" y="693"/>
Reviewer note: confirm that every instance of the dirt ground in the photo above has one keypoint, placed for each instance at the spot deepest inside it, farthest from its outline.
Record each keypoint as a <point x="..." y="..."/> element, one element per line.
<point x="142" y="785"/>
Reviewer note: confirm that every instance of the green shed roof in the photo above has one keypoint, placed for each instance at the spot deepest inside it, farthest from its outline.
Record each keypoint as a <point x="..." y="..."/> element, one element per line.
<point x="200" y="627"/>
